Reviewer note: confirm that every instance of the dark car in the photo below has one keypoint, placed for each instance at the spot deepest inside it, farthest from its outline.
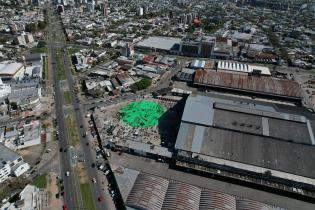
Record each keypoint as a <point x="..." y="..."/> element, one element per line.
<point x="93" y="165"/>
<point x="65" y="150"/>
<point x="60" y="149"/>
<point x="99" y="199"/>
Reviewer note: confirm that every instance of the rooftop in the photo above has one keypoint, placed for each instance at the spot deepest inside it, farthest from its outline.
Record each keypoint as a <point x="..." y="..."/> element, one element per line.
<point x="248" y="133"/>
<point x="242" y="67"/>
<point x="163" y="43"/>
<point x="153" y="193"/>
<point x="250" y="84"/>
<point x="7" y="68"/>
<point x="6" y="155"/>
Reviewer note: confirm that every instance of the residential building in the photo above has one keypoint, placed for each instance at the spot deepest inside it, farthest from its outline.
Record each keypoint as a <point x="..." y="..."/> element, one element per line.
<point x="11" y="163"/>
<point x="11" y="70"/>
<point x="30" y="198"/>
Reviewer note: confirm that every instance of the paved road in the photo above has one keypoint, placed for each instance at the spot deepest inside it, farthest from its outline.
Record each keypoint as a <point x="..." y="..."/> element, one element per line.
<point x="72" y="196"/>
<point x="88" y="156"/>
<point x="89" y="160"/>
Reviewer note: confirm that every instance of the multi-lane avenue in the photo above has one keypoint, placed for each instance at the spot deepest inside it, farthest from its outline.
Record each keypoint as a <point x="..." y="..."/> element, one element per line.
<point x="72" y="196"/>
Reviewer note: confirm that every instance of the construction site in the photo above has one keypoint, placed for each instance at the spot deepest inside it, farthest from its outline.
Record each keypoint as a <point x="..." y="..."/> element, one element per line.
<point x="142" y="114"/>
<point x="150" y="124"/>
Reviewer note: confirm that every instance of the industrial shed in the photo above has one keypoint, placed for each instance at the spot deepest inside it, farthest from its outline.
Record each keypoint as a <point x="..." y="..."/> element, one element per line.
<point x="248" y="136"/>
<point x="151" y="192"/>
<point x="251" y="85"/>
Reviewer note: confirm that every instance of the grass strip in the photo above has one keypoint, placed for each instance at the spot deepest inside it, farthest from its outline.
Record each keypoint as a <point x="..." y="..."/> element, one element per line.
<point x="40" y="181"/>
<point x="72" y="130"/>
<point x="67" y="97"/>
<point x="87" y="197"/>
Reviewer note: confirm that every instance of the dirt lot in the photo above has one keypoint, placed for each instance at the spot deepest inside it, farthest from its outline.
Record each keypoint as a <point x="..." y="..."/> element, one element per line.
<point x="32" y="154"/>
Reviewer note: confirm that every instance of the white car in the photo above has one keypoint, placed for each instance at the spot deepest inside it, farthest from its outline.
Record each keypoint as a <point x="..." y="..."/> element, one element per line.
<point x="106" y="172"/>
<point x="108" y="154"/>
<point x="94" y="180"/>
<point x="67" y="173"/>
<point x="101" y="167"/>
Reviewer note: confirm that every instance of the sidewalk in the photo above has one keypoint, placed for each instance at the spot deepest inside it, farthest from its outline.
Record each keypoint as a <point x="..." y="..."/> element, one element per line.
<point x="52" y="189"/>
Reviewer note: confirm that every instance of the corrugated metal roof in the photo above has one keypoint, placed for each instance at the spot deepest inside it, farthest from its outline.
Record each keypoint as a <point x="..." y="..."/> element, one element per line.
<point x="216" y="200"/>
<point x="148" y="192"/>
<point x="152" y="192"/>
<point x="245" y="204"/>
<point x="261" y="85"/>
<point x="181" y="196"/>
<point x="242" y="133"/>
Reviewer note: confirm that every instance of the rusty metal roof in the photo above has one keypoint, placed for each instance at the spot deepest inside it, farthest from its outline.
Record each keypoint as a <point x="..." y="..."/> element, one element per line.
<point x="181" y="196"/>
<point x="151" y="192"/>
<point x="148" y="192"/>
<point x="253" y="84"/>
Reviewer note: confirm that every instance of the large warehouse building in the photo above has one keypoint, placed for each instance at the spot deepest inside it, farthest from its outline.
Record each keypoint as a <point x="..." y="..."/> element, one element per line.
<point x="262" y="86"/>
<point x="151" y="192"/>
<point x="249" y="141"/>
<point x="159" y="44"/>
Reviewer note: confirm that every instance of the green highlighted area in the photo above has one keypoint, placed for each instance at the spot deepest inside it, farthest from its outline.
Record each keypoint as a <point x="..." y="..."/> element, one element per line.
<point x="142" y="114"/>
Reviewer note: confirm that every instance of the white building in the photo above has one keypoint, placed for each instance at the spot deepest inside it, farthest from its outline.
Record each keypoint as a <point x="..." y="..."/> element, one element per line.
<point x="242" y="68"/>
<point x="11" y="164"/>
<point x="23" y="135"/>
<point x="31" y="135"/>
<point x="5" y="90"/>
<point x="24" y="39"/>
<point x="11" y="70"/>
<point x="29" y="199"/>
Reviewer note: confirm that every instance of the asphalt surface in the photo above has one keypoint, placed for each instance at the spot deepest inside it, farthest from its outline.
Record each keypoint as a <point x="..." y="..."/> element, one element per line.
<point x="72" y="196"/>
<point x="74" y="201"/>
